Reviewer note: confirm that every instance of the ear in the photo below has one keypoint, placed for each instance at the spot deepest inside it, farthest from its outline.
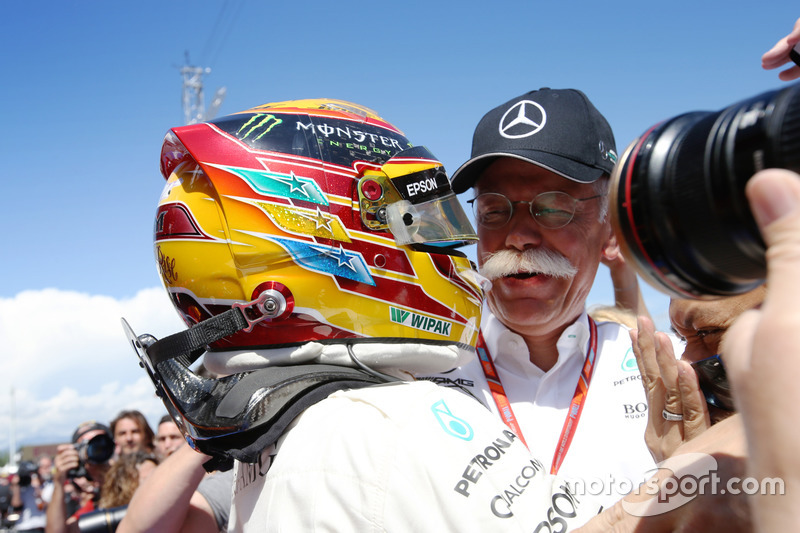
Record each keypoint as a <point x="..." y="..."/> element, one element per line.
<point x="610" y="250"/>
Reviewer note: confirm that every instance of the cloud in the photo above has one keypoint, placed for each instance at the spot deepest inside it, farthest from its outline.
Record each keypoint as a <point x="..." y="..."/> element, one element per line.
<point x="65" y="359"/>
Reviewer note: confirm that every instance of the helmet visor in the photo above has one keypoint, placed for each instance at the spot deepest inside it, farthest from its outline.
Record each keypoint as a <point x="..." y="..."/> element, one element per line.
<point x="426" y="210"/>
<point x="440" y="221"/>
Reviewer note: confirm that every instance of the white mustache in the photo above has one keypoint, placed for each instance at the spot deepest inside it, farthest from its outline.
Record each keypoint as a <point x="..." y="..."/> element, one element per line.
<point x="532" y="261"/>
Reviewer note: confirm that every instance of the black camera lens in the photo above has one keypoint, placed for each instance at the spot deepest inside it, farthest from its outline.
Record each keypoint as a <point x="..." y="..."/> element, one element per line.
<point x="677" y="194"/>
<point x="99" y="449"/>
<point x="102" y="520"/>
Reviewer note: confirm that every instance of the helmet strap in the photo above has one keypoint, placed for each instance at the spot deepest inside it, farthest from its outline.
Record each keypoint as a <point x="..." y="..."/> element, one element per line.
<point x="191" y="343"/>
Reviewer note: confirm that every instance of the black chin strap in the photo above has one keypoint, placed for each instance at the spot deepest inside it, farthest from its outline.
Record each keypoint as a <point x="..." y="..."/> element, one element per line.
<point x="191" y="343"/>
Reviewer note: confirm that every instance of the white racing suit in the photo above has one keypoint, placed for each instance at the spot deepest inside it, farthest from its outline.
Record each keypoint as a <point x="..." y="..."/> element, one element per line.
<point x="405" y="456"/>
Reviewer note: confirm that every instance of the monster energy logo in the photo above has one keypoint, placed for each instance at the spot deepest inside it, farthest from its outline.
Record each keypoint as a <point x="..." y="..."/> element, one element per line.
<point x="424" y="323"/>
<point x="258" y="121"/>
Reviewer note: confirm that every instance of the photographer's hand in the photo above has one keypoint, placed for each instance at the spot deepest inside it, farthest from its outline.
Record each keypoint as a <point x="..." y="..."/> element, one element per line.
<point x="65" y="460"/>
<point x="779" y="55"/>
<point x="670" y="385"/>
<point x="763" y="353"/>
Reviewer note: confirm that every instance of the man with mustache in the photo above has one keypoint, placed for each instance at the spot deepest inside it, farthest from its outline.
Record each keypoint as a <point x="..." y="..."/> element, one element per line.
<point x="565" y="384"/>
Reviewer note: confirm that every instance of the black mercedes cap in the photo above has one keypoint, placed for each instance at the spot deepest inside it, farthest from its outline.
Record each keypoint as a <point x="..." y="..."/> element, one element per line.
<point x="557" y="129"/>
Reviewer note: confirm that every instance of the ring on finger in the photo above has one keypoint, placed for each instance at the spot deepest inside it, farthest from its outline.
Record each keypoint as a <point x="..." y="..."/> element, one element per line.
<point x="670" y="416"/>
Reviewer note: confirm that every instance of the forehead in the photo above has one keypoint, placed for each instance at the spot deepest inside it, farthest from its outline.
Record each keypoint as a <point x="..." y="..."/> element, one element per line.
<point x="689" y="313"/>
<point x="508" y="174"/>
<point x="168" y="427"/>
<point x="126" y="423"/>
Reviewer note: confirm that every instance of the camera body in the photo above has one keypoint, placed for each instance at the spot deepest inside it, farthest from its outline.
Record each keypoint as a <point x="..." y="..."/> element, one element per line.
<point x="97" y="450"/>
<point x="677" y="199"/>
<point x="26" y="471"/>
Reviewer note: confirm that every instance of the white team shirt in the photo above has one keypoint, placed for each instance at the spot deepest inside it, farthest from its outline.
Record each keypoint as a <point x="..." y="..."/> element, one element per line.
<point x="401" y="457"/>
<point x="608" y="450"/>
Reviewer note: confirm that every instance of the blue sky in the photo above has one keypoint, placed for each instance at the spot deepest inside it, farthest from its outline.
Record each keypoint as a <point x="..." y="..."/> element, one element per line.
<point x="89" y="89"/>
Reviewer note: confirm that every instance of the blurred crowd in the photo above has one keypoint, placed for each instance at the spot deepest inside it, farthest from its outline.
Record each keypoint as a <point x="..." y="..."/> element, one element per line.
<point x="90" y="481"/>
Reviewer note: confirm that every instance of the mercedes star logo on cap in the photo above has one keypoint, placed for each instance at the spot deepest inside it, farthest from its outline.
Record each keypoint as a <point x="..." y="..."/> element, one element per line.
<point x="523" y="119"/>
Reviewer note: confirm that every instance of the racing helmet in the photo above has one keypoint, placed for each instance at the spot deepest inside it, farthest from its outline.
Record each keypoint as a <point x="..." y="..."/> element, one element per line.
<point x="328" y="214"/>
<point x="295" y="224"/>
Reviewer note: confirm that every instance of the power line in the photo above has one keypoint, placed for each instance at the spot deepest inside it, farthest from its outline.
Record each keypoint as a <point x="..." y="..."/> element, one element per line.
<point x="223" y="25"/>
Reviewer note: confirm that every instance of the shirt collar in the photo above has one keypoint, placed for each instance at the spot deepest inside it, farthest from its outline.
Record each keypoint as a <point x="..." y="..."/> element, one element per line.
<point x="508" y="349"/>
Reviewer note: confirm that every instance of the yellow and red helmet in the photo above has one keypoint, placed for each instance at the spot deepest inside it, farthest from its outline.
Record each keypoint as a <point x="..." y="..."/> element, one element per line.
<point x="325" y="211"/>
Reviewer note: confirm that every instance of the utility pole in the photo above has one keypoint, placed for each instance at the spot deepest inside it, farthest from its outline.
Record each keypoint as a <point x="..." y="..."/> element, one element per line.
<point x="194" y="107"/>
<point x="12" y="438"/>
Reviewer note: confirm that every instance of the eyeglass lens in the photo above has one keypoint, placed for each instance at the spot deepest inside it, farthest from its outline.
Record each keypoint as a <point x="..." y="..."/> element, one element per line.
<point x="553" y="209"/>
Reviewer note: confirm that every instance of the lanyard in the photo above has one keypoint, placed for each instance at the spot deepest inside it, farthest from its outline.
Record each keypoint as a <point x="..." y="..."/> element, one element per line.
<point x="575" y="407"/>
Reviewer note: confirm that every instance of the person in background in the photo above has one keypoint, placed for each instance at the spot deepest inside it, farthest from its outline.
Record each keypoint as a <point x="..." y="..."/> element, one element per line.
<point x="127" y="473"/>
<point x="168" y="438"/>
<point x="131" y="432"/>
<point x="5" y="497"/>
<point x="689" y="394"/>
<point x="26" y="498"/>
<point x="45" y="472"/>
<point x="67" y="469"/>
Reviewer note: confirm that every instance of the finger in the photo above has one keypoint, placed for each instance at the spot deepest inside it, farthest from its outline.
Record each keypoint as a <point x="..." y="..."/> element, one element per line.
<point x="68" y="464"/>
<point x="790" y="74"/>
<point x="643" y="344"/>
<point x="779" y="54"/>
<point x="776" y="56"/>
<point x="668" y="369"/>
<point x="774" y="197"/>
<point x="653" y="388"/>
<point x="736" y="345"/>
<point x="643" y="349"/>
<point x="695" y="410"/>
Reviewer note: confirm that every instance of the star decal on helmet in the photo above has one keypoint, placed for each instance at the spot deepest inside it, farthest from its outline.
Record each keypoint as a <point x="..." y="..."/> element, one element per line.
<point x="276" y="184"/>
